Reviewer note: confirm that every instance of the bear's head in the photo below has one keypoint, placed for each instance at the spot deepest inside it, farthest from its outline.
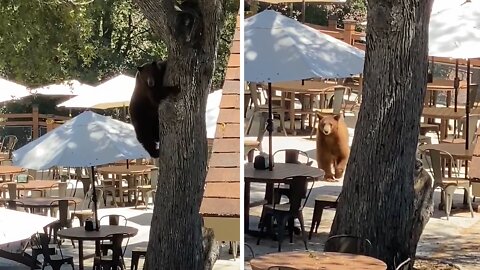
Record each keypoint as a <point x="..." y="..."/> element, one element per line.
<point x="329" y="124"/>
<point x="152" y="73"/>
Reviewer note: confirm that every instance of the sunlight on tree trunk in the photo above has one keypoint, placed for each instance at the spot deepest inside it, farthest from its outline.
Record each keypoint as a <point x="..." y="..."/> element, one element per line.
<point x="176" y="230"/>
<point x="379" y="200"/>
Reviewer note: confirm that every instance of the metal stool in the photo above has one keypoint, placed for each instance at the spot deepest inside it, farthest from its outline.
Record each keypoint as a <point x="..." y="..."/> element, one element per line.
<point x="136" y="254"/>
<point x="321" y="202"/>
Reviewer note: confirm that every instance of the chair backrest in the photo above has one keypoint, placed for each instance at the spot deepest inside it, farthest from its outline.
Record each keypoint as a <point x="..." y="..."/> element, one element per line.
<point x="42" y="240"/>
<point x="292" y="155"/>
<point x="405" y="265"/>
<point x="348" y="244"/>
<point x="114" y="219"/>
<point x="435" y="164"/>
<point x="338" y="99"/>
<point x="88" y="198"/>
<point x="117" y="240"/>
<point x="299" y="192"/>
<point x="12" y="190"/>
<point x="472" y="127"/>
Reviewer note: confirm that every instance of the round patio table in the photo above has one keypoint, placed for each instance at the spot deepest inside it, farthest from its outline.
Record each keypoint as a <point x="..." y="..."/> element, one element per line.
<point x="8" y="170"/>
<point x="457" y="150"/>
<point x="277" y="175"/>
<point x="313" y="260"/>
<point x="104" y="233"/>
<point x="45" y="202"/>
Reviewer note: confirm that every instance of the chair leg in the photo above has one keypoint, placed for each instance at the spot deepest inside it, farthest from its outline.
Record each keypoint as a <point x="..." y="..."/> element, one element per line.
<point x="282" y="122"/>
<point x="302" y="227"/>
<point x="469" y="195"/>
<point x="313" y="127"/>
<point x="291" y="225"/>
<point x="281" y="230"/>
<point x="250" y="122"/>
<point x="316" y="218"/>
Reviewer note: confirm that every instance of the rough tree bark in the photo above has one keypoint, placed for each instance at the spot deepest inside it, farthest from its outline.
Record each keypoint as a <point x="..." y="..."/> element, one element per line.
<point x="176" y="230"/>
<point x="378" y="199"/>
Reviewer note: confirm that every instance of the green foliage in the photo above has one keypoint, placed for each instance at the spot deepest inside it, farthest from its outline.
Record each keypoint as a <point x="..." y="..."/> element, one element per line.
<point x="43" y="42"/>
<point x="318" y="14"/>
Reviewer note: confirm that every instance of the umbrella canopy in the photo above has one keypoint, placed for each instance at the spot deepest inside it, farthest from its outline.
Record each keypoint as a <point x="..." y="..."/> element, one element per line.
<point x="306" y="1"/>
<point x="87" y="140"/>
<point x="67" y="88"/>
<point x="10" y="90"/>
<point x="113" y="93"/>
<point x="278" y="48"/>
<point x="454" y="30"/>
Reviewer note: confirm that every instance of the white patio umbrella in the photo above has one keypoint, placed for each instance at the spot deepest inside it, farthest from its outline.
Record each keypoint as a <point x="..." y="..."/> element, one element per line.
<point x="113" y="93"/>
<point x="278" y="48"/>
<point x="86" y="140"/>
<point x="10" y="90"/>
<point x="454" y="32"/>
<point x="66" y="88"/>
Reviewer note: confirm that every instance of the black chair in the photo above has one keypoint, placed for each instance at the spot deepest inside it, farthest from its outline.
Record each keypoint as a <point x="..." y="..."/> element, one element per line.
<point x="288" y="212"/>
<point x="42" y="241"/>
<point x="117" y="259"/>
<point x="348" y="244"/>
<point x="37" y="248"/>
<point x="136" y="254"/>
<point x="291" y="156"/>
<point x="115" y="221"/>
<point x="405" y="265"/>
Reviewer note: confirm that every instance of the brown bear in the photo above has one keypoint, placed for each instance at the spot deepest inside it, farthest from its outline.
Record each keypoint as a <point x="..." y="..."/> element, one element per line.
<point x="148" y="93"/>
<point x="332" y="146"/>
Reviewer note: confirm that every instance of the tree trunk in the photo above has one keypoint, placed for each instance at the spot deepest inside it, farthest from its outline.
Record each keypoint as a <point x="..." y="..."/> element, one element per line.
<point x="378" y="200"/>
<point x="176" y="230"/>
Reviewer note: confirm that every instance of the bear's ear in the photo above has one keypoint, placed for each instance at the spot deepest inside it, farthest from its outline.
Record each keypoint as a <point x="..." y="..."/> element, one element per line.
<point x="337" y="116"/>
<point x="160" y="65"/>
<point x="140" y="68"/>
<point x="320" y="116"/>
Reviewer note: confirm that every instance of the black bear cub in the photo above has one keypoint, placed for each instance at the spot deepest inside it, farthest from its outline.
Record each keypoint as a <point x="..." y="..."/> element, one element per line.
<point x="148" y="93"/>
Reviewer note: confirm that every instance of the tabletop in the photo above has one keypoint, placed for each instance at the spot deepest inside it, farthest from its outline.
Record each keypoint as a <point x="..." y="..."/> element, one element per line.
<point x="122" y="169"/>
<point x="35" y="184"/>
<point x="45" y="202"/>
<point x="79" y="233"/>
<point x="457" y="150"/>
<point x="447" y="112"/>
<point x="312" y="260"/>
<point x="280" y="172"/>
<point x="307" y="87"/>
<point x="10" y="169"/>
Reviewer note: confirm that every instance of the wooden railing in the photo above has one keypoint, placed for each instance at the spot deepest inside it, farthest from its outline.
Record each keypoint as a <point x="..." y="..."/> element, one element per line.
<point x="35" y="120"/>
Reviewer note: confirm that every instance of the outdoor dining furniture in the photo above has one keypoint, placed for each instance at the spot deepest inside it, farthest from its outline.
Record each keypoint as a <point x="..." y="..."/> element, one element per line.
<point x="314" y="260"/>
<point x="348" y="244"/>
<point x="7" y="171"/>
<point x="42" y="241"/>
<point x="288" y="212"/>
<point x="105" y="232"/>
<point x="457" y="151"/>
<point x="44" y="202"/>
<point x="445" y="114"/>
<point x="130" y="174"/>
<point x="448" y="185"/>
<point x="148" y="190"/>
<point x="17" y="228"/>
<point x="281" y="173"/>
<point x="322" y="201"/>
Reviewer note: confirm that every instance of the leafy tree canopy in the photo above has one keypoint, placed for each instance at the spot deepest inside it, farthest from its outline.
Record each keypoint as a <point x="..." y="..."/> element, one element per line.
<point x="48" y="41"/>
<point x="319" y="13"/>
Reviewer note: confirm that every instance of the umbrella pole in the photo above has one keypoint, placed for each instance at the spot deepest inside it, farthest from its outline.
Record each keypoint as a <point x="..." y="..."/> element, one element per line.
<point x="467" y="107"/>
<point x="94" y="199"/>
<point x="303" y="11"/>
<point x="456" y="84"/>
<point x="270" y="127"/>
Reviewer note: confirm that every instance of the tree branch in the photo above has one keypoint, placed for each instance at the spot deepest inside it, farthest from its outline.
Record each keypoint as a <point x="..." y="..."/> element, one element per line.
<point x="161" y="16"/>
